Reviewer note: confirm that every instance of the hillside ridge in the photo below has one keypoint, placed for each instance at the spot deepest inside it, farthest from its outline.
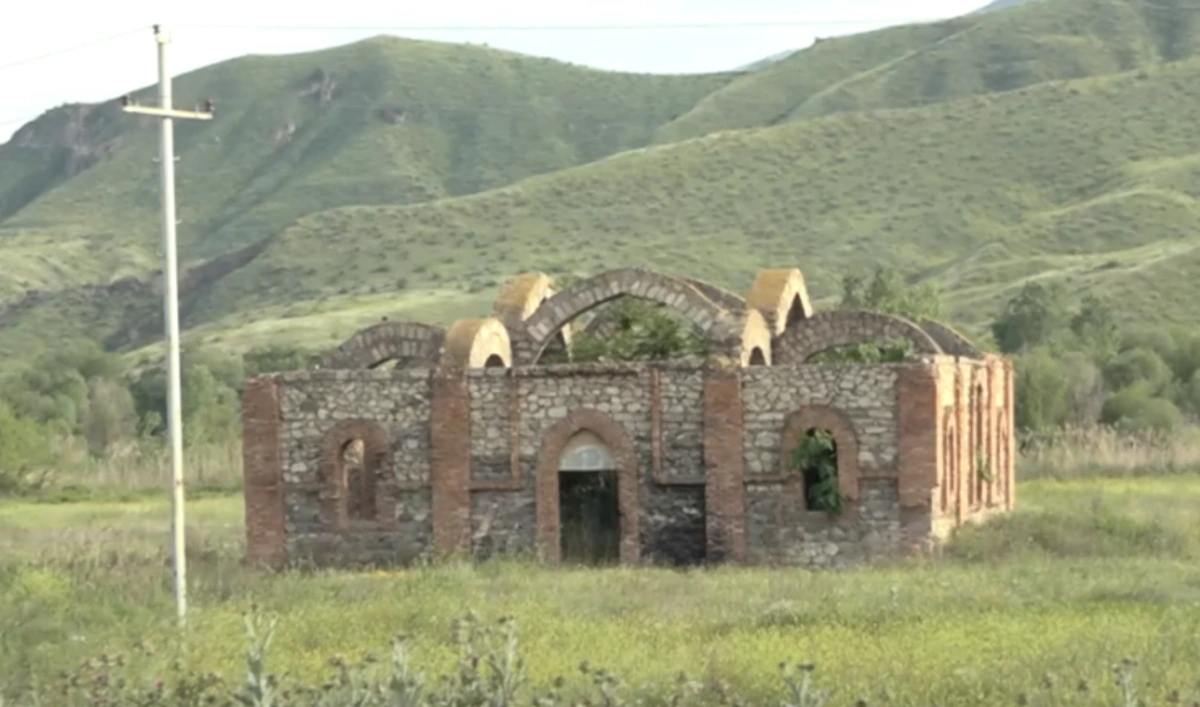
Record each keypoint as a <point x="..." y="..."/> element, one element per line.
<point x="393" y="175"/>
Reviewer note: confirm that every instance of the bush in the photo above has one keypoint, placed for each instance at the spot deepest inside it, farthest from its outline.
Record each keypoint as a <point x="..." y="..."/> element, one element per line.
<point x="1135" y="408"/>
<point x="26" y="454"/>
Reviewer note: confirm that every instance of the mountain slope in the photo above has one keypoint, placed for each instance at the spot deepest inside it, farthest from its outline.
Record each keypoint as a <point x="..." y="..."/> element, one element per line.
<point x="395" y="177"/>
<point x="925" y="64"/>
<point x="959" y="192"/>
<point x="379" y="121"/>
<point x="1002" y="5"/>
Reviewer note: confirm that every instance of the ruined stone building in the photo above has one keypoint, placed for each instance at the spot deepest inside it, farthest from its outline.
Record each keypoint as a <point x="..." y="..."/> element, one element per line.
<point x="412" y="439"/>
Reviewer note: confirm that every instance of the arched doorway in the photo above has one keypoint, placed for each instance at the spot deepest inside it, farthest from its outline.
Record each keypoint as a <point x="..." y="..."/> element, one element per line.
<point x="589" y="515"/>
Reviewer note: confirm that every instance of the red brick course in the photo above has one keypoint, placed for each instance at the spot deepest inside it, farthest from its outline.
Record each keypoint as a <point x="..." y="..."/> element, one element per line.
<point x="262" y="463"/>
<point x="918" y="440"/>
<point x="450" y="462"/>
<point x="725" y="490"/>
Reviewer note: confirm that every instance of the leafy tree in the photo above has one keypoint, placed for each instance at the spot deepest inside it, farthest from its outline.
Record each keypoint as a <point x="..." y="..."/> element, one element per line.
<point x="110" y="418"/>
<point x="1096" y="329"/>
<point x="55" y="390"/>
<point x="887" y="291"/>
<point x="1137" y="408"/>
<point x="640" y="331"/>
<point x="209" y="399"/>
<point x="1035" y="317"/>
<point x="1138" y="366"/>
<point x="1041" y="391"/>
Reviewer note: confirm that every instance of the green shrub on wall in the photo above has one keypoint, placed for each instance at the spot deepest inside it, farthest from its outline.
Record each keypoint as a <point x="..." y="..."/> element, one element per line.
<point x="815" y="457"/>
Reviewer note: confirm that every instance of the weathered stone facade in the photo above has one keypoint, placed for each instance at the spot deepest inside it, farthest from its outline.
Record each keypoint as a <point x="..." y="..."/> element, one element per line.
<point x="463" y="446"/>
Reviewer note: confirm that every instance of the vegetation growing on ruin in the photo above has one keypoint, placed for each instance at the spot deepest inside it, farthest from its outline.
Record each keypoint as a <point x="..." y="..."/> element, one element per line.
<point x="815" y="461"/>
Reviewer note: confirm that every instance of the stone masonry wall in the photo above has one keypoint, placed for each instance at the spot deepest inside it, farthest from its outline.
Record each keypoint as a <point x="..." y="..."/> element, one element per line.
<point x="513" y="421"/>
<point x="779" y="527"/>
<point x="312" y="405"/>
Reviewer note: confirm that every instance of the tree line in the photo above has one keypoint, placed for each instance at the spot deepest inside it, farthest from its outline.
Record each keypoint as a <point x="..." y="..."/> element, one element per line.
<point x="1075" y="366"/>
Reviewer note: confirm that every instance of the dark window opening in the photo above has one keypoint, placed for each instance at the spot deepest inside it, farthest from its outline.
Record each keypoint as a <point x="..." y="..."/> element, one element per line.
<point x="494" y="361"/>
<point x="358" y="479"/>
<point x="757" y="358"/>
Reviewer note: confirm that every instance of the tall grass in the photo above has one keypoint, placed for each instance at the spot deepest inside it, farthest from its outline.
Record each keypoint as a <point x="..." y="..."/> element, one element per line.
<point x="1088" y="572"/>
<point x="142" y="468"/>
<point x="1101" y="451"/>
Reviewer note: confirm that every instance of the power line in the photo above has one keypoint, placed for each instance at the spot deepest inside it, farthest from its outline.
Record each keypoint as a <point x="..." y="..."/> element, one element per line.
<point x="77" y="47"/>
<point x="560" y="28"/>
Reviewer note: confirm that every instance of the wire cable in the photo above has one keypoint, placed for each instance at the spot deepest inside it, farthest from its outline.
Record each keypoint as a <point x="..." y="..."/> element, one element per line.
<point x="557" y="28"/>
<point x="77" y="47"/>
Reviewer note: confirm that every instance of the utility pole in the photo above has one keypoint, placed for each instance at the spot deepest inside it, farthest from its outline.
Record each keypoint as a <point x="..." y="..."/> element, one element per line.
<point x="167" y="114"/>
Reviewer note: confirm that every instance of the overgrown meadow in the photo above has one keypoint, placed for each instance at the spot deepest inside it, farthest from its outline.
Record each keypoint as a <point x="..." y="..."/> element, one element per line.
<point x="1089" y="594"/>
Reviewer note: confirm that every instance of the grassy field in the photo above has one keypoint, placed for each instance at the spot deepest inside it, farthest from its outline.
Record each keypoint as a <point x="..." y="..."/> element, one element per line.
<point x="1098" y="566"/>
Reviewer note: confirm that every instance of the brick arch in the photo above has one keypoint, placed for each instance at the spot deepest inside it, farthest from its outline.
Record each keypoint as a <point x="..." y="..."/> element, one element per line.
<point x="521" y="297"/>
<point x="755" y="336"/>
<point x="845" y="327"/>
<point x="780" y="295"/>
<point x="471" y="343"/>
<point x="409" y="343"/>
<point x="565" y="306"/>
<point x="621" y="445"/>
<point x="377" y="458"/>
<point x="833" y="420"/>
<point x="950" y="340"/>
<point x="719" y="296"/>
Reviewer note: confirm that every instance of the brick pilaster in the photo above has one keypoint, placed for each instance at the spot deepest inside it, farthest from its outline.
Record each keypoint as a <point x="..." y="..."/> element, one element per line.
<point x="450" y="459"/>
<point x="917" y="432"/>
<point x="725" y="486"/>
<point x="262" y="469"/>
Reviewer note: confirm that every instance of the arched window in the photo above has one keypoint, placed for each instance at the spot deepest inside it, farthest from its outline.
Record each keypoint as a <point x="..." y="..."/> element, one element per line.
<point x="357" y="481"/>
<point x="355" y="461"/>
<point x="586" y="452"/>
<point x="757" y="358"/>
<point x="978" y="444"/>
<point x="949" y="461"/>
<point x="494" y="361"/>
<point x="589" y="509"/>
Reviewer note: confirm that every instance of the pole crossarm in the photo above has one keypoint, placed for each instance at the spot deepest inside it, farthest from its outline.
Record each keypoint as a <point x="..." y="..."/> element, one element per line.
<point x="168" y="113"/>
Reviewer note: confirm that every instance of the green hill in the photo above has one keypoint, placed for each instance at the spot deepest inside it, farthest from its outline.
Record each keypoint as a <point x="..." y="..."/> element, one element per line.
<point x="379" y="121"/>
<point x="916" y="65"/>
<point x="1053" y="139"/>
<point x="959" y="192"/>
